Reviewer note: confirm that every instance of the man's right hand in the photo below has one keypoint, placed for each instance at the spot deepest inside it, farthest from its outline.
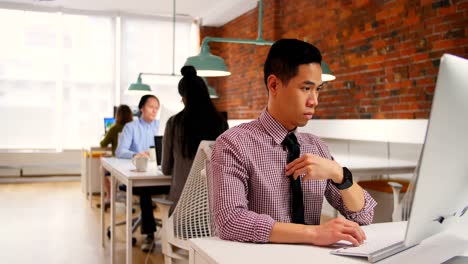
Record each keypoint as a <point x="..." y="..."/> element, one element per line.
<point x="338" y="229"/>
<point x="320" y="235"/>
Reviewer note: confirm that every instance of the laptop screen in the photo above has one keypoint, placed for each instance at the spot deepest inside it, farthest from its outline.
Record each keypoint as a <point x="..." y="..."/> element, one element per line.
<point x="158" y="148"/>
<point x="108" y="122"/>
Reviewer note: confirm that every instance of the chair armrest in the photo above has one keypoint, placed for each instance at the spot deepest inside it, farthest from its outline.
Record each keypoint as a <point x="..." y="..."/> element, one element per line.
<point x="163" y="201"/>
<point x="395" y="185"/>
<point x="164" y="207"/>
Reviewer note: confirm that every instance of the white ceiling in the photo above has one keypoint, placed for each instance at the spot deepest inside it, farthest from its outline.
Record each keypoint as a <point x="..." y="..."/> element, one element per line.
<point x="211" y="12"/>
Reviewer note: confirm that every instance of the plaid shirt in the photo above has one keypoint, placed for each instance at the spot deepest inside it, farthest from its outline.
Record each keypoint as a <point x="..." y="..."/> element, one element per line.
<point x="251" y="191"/>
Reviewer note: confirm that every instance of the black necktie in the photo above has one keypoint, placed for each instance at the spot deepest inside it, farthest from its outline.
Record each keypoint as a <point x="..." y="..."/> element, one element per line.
<point x="297" y="202"/>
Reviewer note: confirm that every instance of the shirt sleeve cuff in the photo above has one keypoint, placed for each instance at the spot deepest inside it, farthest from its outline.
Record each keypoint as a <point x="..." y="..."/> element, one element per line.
<point x="128" y="155"/>
<point x="366" y="214"/>
<point x="264" y="225"/>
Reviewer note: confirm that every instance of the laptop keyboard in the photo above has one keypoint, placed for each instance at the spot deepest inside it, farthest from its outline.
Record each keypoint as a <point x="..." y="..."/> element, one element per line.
<point x="367" y="248"/>
<point x="382" y="241"/>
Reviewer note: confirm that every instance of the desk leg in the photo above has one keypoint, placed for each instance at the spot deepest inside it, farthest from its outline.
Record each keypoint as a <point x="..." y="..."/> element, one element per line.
<point x="88" y="177"/>
<point x="103" y="207"/>
<point x="112" y="220"/>
<point x="129" y="222"/>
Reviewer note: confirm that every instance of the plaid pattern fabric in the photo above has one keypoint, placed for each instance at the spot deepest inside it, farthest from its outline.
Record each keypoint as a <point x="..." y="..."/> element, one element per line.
<point x="251" y="190"/>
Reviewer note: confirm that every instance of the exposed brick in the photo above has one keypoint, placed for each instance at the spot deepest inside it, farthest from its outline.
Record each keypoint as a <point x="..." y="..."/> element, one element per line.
<point x="385" y="54"/>
<point x="426" y="2"/>
<point x="404" y="115"/>
<point x="386" y="108"/>
<point x="455" y="33"/>
<point x="440" y="3"/>
<point x="447" y="10"/>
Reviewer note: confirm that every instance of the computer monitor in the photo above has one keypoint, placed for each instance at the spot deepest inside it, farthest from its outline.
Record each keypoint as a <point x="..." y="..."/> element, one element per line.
<point x="166" y="112"/>
<point x="441" y="192"/>
<point x="440" y="195"/>
<point x="108" y="122"/>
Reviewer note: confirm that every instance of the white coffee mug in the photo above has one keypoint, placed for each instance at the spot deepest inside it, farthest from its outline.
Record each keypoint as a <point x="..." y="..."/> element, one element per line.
<point x="140" y="162"/>
<point x="152" y="152"/>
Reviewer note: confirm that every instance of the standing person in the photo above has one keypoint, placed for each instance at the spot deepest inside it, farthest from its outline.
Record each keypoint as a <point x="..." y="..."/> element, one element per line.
<point x="269" y="180"/>
<point x="122" y="117"/>
<point x="199" y="120"/>
<point x="136" y="139"/>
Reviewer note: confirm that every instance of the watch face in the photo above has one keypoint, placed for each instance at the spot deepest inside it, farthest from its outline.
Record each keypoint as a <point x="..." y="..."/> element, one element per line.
<point x="347" y="174"/>
<point x="347" y="179"/>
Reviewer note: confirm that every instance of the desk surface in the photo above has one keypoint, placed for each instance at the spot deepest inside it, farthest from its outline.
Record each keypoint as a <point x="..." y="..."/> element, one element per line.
<point x="435" y="249"/>
<point x="126" y="168"/>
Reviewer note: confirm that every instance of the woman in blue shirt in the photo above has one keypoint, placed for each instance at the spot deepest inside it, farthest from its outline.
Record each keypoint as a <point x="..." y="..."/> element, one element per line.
<point x="136" y="139"/>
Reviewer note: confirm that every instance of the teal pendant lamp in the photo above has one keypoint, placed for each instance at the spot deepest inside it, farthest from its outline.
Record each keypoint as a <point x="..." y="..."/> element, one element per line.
<point x="207" y="64"/>
<point x="326" y="73"/>
<point x="139" y="87"/>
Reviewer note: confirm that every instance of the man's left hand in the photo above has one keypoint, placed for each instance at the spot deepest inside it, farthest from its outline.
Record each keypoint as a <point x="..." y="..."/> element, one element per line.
<point x="315" y="167"/>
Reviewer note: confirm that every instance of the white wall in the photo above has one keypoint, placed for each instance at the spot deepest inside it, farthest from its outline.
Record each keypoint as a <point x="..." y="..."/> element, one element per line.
<point x="40" y="163"/>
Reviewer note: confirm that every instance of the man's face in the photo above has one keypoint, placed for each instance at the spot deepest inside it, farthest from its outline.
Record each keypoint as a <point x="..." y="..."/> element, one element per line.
<point x="295" y="101"/>
<point x="150" y="109"/>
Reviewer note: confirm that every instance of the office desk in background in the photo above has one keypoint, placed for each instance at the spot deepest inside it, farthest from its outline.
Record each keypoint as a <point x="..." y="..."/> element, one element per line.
<point x="124" y="171"/>
<point x="363" y="167"/>
<point x="91" y="169"/>
<point x="436" y="249"/>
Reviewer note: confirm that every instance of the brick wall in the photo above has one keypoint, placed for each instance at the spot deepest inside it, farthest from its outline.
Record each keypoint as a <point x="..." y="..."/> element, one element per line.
<point x="385" y="54"/>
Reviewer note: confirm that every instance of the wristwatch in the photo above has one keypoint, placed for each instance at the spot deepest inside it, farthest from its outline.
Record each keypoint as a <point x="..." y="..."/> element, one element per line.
<point x="347" y="180"/>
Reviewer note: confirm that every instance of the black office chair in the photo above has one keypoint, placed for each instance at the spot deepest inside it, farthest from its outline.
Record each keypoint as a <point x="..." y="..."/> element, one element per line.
<point x="136" y="221"/>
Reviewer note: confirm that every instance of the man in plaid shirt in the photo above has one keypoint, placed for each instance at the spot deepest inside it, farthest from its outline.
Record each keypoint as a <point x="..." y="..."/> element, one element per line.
<point x="253" y="199"/>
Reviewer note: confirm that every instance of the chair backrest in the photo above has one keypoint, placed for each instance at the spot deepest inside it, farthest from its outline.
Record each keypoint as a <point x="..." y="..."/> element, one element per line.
<point x="191" y="217"/>
<point x="209" y="181"/>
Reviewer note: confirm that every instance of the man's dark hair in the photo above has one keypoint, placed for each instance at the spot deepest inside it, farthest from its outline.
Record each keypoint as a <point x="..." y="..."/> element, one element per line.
<point x="286" y="55"/>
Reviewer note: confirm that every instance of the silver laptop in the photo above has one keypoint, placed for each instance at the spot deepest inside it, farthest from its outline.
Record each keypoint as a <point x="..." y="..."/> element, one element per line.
<point x="441" y="186"/>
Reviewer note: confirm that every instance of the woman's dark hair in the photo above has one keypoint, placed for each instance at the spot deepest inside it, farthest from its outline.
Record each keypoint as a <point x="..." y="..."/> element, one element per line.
<point x="286" y="55"/>
<point x="123" y="115"/>
<point x="199" y="120"/>
<point x="143" y="100"/>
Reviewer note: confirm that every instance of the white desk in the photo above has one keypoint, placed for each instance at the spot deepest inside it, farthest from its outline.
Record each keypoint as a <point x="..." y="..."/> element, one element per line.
<point x="365" y="166"/>
<point x="436" y="249"/>
<point x="91" y="171"/>
<point x="124" y="171"/>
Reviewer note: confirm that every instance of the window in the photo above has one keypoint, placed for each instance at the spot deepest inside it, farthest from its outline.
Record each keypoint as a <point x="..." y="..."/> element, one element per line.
<point x="147" y="46"/>
<point x="59" y="71"/>
<point x="56" y="79"/>
<point x="28" y="77"/>
<point x="88" y="78"/>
